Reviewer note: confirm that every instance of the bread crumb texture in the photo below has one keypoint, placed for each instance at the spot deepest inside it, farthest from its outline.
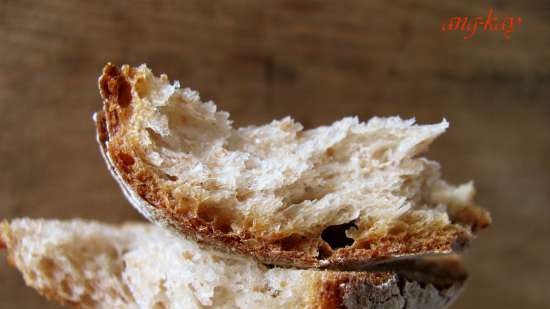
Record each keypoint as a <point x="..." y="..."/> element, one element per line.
<point x="351" y="191"/>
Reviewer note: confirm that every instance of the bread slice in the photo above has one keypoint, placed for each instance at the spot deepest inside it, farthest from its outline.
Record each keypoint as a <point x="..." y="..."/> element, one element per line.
<point x="92" y="265"/>
<point x="344" y="196"/>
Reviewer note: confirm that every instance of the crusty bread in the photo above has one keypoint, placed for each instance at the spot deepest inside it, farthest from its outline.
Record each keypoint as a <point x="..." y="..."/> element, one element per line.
<point x="344" y="196"/>
<point x="91" y="265"/>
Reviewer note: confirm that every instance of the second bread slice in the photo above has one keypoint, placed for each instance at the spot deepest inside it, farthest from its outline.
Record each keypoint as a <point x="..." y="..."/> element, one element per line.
<point x="99" y="266"/>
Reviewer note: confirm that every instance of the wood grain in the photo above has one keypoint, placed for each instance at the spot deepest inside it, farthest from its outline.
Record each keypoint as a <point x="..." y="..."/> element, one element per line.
<point x="317" y="61"/>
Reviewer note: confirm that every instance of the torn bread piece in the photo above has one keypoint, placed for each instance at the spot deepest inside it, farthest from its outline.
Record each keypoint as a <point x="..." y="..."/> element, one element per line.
<point x="341" y="196"/>
<point x="91" y="265"/>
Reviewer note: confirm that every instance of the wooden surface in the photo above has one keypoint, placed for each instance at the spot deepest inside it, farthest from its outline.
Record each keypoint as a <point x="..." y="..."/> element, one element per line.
<point x="317" y="61"/>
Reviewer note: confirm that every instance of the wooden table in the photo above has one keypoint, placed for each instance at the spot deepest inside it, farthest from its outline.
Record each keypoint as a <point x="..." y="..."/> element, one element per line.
<point x="317" y="61"/>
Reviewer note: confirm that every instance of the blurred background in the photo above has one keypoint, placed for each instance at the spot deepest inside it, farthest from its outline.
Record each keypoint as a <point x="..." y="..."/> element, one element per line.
<point x="317" y="61"/>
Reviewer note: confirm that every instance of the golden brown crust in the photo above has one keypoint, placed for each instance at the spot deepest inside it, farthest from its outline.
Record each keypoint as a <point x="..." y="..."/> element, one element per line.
<point x="142" y="185"/>
<point x="475" y="217"/>
<point x="4" y="234"/>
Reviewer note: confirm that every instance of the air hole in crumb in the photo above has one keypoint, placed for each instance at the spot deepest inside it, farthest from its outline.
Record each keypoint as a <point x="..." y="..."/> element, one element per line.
<point x="126" y="159"/>
<point x="113" y="120"/>
<point x="159" y="305"/>
<point x="399" y="228"/>
<point x="124" y="92"/>
<point x="207" y="212"/>
<point x="33" y="276"/>
<point x="294" y="242"/>
<point x="306" y="194"/>
<point x="219" y="218"/>
<point x="330" y="152"/>
<point x="115" y="86"/>
<point x="141" y="87"/>
<point x="216" y="259"/>
<point x="171" y="177"/>
<point x="47" y="266"/>
<point x="380" y="154"/>
<point x="87" y="301"/>
<point x="335" y="235"/>
<point x="223" y="226"/>
<point x="242" y="195"/>
<point x="66" y="287"/>
<point x="187" y="255"/>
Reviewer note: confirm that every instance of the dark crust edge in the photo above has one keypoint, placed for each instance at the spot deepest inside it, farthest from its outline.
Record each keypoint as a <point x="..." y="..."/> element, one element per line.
<point x="115" y="90"/>
<point x="343" y="291"/>
<point x="430" y="282"/>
